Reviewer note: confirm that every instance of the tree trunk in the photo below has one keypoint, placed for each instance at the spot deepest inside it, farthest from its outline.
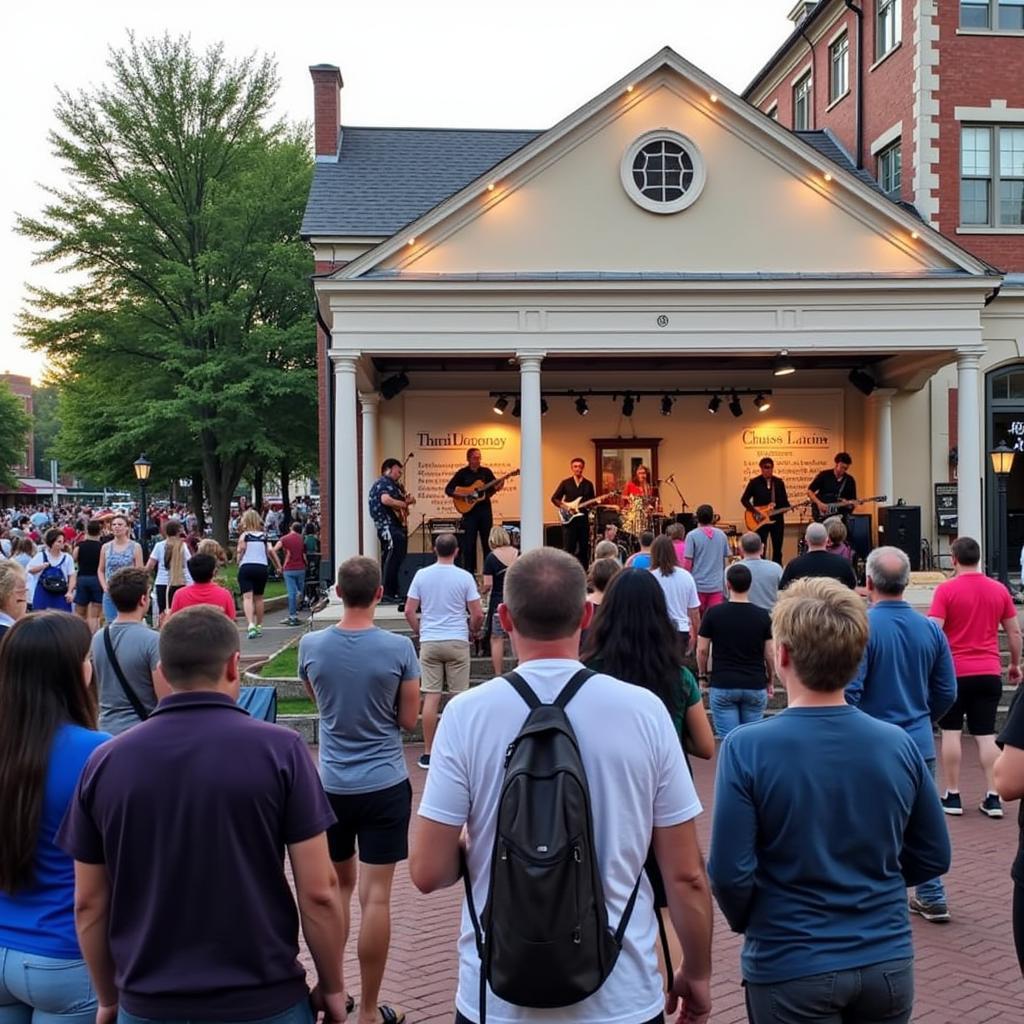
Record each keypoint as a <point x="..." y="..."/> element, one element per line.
<point x="257" y="487"/>
<point x="286" y="481"/>
<point x="197" y="499"/>
<point x="220" y="479"/>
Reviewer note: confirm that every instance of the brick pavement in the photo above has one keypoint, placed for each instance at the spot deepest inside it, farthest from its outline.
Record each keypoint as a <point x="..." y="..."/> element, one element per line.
<point x="966" y="970"/>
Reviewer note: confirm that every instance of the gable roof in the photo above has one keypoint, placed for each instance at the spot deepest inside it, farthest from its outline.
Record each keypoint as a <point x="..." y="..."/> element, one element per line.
<point x="386" y="177"/>
<point x="797" y="33"/>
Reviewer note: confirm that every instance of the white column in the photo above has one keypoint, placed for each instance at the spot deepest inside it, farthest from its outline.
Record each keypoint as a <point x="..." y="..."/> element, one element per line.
<point x="346" y="468"/>
<point x="882" y="400"/>
<point x="531" y="480"/>
<point x="969" y="464"/>
<point x="369" y="401"/>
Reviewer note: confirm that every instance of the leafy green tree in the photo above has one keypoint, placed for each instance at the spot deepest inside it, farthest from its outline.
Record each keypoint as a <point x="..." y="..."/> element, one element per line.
<point x="190" y="329"/>
<point x="15" y="424"/>
<point x="45" y="425"/>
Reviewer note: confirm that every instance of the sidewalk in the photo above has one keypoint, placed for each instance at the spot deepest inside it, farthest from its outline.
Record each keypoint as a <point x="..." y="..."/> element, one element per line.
<point x="966" y="970"/>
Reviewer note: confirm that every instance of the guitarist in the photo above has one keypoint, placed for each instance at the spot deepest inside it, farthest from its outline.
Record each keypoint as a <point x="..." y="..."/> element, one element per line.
<point x="389" y="506"/>
<point x="833" y="486"/>
<point x="768" y="490"/>
<point x="576" y="533"/>
<point x="477" y="523"/>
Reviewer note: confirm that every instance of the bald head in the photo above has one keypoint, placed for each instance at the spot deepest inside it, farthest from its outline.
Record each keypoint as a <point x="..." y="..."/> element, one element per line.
<point x="888" y="571"/>
<point x="816" y="537"/>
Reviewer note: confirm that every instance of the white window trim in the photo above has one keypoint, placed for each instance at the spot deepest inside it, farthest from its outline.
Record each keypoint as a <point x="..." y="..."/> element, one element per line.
<point x="773" y="111"/>
<point x="898" y="12"/>
<point x="839" y="99"/>
<point x="887" y="137"/>
<point x="828" y="53"/>
<point x="990" y="32"/>
<point x="996" y="113"/>
<point x="699" y="172"/>
<point x="892" y="144"/>
<point x="1010" y="229"/>
<point x="885" y="56"/>
<point x="806" y="70"/>
<point x="835" y="37"/>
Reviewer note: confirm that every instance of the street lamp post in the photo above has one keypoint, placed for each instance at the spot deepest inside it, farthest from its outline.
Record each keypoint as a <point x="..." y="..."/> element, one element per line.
<point x="1002" y="457"/>
<point x="143" y="468"/>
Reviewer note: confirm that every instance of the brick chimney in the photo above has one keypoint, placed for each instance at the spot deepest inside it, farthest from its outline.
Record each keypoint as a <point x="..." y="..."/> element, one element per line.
<point x="327" y="86"/>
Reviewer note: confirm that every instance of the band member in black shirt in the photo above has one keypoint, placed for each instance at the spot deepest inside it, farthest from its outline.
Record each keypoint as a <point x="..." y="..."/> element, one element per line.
<point x="389" y="510"/>
<point x="575" y="533"/>
<point x="477" y="523"/>
<point x="833" y="486"/>
<point x="768" y="489"/>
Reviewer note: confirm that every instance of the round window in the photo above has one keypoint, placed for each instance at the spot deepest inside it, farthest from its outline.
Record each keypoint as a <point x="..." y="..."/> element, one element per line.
<point x="663" y="172"/>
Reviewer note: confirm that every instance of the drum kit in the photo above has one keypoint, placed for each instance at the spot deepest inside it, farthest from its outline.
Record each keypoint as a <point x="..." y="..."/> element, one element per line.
<point x="635" y="515"/>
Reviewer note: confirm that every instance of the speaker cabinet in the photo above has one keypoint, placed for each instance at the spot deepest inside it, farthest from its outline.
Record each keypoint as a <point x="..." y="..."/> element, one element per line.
<point x="553" y="535"/>
<point x="899" y="526"/>
<point x="859" y="534"/>
<point x="417" y="560"/>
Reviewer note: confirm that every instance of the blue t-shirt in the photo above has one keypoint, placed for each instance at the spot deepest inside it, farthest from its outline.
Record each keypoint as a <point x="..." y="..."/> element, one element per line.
<point x="708" y="548"/>
<point x="356" y="675"/>
<point x="40" y="919"/>
<point x="823" y="817"/>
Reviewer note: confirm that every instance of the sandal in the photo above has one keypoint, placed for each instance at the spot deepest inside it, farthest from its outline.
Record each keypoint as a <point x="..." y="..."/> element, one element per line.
<point x="350" y="1004"/>
<point x="389" y="1015"/>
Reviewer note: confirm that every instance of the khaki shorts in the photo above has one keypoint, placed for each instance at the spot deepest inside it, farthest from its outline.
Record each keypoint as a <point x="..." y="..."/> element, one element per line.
<point x="442" y="660"/>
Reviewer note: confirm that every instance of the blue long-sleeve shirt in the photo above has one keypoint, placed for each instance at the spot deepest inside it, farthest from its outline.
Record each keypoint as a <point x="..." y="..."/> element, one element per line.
<point x="906" y="675"/>
<point x="823" y="817"/>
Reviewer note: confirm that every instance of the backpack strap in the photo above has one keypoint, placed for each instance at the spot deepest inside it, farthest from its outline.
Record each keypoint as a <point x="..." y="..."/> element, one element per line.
<point x="478" y="932"/>
<point x="521" y="687"/>
<point x="620" y="932"/>
<point x="572" y="687"/>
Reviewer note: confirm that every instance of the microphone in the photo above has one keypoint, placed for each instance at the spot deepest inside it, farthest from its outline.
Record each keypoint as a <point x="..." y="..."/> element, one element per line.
<point x="409" y="456"/>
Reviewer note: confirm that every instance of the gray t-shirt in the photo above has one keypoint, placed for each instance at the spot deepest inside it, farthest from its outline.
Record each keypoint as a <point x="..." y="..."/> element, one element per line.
<point x="137" y="648"/>
<point x="764" y="582"/>
<point x="708" y="548"/>
<point x="356" y="675"/>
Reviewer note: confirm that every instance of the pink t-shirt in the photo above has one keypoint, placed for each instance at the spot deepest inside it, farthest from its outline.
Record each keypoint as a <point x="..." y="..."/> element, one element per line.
<point x="972" y="606"/>
<point x="204" y="593"/>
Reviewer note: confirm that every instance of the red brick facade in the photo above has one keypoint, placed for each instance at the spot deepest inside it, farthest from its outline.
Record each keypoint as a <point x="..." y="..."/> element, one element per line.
<point x="22" y="388"/>
<point x="327" y="85"/>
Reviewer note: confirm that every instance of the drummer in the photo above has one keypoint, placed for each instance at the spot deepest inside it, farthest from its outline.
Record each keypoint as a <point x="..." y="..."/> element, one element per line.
<point x="640" y="487"/>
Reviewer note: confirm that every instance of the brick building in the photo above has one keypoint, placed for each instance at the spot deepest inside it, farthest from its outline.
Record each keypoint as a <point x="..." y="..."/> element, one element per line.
<point x="22" y="388"/>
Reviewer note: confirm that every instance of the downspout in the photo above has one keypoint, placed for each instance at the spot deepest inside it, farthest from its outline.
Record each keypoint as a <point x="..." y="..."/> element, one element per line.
<point x="859" y="107"/>
<point x="812" y="120"/>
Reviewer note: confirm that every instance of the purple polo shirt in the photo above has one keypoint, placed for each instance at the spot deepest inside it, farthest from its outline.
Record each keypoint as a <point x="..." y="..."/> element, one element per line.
<point x="191" y="812"/>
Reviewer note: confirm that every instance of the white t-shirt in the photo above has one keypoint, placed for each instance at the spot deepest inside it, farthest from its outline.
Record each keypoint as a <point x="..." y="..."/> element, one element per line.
<point x="637" y="780"/>
<point x="680" y="595"/>
<point x="443" y="591"/>
<point x="163" y="574"/>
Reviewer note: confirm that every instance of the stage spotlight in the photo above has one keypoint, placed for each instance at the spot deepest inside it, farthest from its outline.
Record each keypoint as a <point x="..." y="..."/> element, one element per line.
<point x="543" y="407"/>
<point x="666" y="406"/>
<point x="517" y="409"/>
<point x="714" y="405"/>
<point x="734" y="405"/>
<point x="628" y="405"/>
<point x="783" y="365"/>
<point x="862" y="381"/>
<point x="581" y="406"/>
<point x="761" y="404"/>
<point x="394" y="385"/>
<point x="501" y="405"/>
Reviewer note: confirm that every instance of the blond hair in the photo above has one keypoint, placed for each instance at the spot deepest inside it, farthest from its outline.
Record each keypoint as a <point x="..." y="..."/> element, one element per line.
<point x="208" y="546"/>
<point x="498" y="538"/>
<point x="836" y="529"/>
<point x="11" y="574"/>
<point x="251" y="522"/>
<point x="824" y="626"/>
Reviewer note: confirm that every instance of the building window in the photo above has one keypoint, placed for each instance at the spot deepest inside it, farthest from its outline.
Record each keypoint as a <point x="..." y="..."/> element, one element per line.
<point x="839" y="68"/>
<point x="992" y="176"/>
<point x="802" y="104"/>
<point x="663" y="172"/>
<point x="1007" y="15"/>
<point x="887" y="27"/>
<point x="890" y="169"/>
<point x="773" y="111"/>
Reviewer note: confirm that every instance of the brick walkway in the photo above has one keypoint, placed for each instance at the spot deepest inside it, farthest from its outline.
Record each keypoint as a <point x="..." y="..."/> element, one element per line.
<point x="966" y="970"/>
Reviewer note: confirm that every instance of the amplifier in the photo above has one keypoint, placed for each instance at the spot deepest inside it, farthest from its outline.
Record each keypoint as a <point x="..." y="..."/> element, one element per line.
<point x="900" y="526"/>
<point x="410" y="564"/>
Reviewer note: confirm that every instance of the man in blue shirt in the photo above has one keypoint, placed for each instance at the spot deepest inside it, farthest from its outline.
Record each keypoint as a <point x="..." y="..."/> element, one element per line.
<point x="905" y="677"/>
<point x="823" y="815"/>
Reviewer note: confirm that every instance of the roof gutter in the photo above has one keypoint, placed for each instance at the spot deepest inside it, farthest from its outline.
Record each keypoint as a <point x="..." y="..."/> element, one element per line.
<point x="859" y="109"/>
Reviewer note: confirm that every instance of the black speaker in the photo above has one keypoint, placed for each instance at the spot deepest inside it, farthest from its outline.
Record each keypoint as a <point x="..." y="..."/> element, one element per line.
<point x="553" y="535"/>
<point x="417" y="560"/>
<point x="859" y="534"/>
<point x="900" y="527"/>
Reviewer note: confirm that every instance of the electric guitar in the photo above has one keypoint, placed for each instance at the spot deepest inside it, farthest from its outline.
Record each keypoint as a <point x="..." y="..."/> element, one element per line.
<point x="402" y="514"/>
<point x="837" y="507"/>
<point x="570" y="510"/>
<point x="754" y="518"/>
<point x="466" y="498"/>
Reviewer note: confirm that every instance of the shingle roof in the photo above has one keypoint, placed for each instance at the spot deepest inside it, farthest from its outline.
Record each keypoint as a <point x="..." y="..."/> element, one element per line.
<point x="387" y="177"/>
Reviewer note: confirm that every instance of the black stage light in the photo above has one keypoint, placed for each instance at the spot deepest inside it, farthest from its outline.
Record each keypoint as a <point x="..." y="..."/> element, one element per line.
<point x="501" y="405"/>
<point x="783" y="365"/>
<point x="761" y="404"/>
<point x="543" y="407"/>
<point x="581" y="406"/>
<point x="714" y="405"/>
<point x="517" y="409"/>
<point x="666" y="406"/>
<point x="628" y="405"/>
<point x="394" y="385"/>
<point x="734" y="405"/>
<point x="862" y="381"/>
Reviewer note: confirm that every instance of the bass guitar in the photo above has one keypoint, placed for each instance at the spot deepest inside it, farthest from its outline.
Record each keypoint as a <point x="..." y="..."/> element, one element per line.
<point x="466" y="498"/>
<point x="570" y="510"/>
<point x="754" y="518"/>
<point x="839" y="507"/>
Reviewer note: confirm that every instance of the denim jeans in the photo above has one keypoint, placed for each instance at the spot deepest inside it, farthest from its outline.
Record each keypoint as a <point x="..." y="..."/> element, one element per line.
<point x="932" y="891"/>
<point x="295" y="581"/>
<point x="730" y="708"/>
<point x="867" y="995"/>
<point x="42" y="990"/>
<point x="300" y="1013"/>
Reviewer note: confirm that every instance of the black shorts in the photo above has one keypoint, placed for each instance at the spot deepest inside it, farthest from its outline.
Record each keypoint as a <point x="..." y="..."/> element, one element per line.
<point x="379" y="819"/>
<point x="252" y="578"/>
<point x="977" y="700"/>
<point x="164" y="596"/>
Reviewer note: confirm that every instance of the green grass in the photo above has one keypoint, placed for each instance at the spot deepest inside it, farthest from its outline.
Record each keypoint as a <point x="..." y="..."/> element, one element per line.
<point x="228" y="576"/>
<point x="296" y="706"/>
<point x="283" y="665"/>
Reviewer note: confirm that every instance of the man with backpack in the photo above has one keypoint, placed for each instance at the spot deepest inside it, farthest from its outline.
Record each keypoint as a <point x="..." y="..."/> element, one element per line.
<point x="560" y="914"/>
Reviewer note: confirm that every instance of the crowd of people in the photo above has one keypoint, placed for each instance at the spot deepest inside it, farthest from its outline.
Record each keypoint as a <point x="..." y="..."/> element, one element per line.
<point x="828" y="828"/>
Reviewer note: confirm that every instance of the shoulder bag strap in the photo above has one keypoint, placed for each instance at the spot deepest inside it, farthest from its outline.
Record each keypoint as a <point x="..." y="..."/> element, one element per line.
<point x="133" y="697"/>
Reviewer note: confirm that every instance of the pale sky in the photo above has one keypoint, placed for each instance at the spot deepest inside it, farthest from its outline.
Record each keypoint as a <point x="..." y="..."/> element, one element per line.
<point x="443" y="63"/>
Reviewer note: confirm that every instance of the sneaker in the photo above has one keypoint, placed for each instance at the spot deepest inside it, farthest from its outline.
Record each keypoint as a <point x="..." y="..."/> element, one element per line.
<point x="252" y="634"/>
<point x="937" y="913"/>
<point x="951" y="803"/>
<point x="991" y="806"/>
<point x="424" y="761"/>
<point x="259" y="631"/>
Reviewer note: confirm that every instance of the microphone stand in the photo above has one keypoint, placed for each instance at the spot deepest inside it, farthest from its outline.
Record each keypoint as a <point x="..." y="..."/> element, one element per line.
<point x="671" y="479"/>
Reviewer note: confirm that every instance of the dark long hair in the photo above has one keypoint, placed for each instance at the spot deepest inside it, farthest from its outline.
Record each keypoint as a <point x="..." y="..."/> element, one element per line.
<point x="663" y="555"/>
<point x="42" y="686"/>
<point x="635" y="639"/>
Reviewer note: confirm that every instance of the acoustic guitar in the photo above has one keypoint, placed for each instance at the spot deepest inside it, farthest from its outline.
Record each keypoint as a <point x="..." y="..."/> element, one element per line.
<point x="466" y="498"/>
<point x="754" y="518"/>
<point x="571" y="510"/>
<point x="402" y="514"/>
<point x="837" y="507"/>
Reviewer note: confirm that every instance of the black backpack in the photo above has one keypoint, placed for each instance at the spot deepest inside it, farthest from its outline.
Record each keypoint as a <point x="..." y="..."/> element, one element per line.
<point x="543" y="938"/>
